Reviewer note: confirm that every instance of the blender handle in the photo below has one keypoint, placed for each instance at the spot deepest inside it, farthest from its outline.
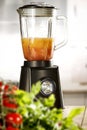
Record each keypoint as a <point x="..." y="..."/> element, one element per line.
<point x="62" y="43"/>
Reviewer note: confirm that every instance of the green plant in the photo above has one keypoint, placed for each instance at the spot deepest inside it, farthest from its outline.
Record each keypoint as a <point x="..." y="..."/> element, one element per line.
<point x="39" y="114"/>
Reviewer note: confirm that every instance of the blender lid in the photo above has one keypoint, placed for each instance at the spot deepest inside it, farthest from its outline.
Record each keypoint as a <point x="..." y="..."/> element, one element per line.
<point x="38" y="10"/>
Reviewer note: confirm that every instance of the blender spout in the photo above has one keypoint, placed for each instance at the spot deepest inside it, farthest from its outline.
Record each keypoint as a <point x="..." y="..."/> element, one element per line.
<point x="19" y="11"/>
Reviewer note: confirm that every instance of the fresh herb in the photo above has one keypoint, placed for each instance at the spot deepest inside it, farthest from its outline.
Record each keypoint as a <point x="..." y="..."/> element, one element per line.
<point x="39" y="113"/>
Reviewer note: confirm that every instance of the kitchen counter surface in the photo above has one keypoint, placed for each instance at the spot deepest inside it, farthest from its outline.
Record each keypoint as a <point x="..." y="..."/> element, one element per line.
<point x="81" y="119"/>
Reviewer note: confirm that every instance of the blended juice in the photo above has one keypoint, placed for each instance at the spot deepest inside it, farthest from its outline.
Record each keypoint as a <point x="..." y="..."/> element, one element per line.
<point x="37" y="48"/>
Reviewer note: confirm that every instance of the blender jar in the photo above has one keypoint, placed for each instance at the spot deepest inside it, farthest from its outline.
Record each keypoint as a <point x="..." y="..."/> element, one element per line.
<point x="38" y="29"/>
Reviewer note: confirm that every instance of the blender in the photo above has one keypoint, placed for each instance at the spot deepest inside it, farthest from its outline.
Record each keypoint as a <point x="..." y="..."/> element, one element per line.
<point x="38" y="33"/>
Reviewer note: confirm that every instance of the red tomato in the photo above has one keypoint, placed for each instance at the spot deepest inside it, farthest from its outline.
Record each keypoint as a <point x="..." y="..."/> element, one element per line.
<point x="14" y="88"/>
<point x="1" y="83"/>
<point x="9" y="104"/>
<point x="11" y="128"/>
<point x="5" y="96"/>
<point x="14" y="118"/>
<point x="0" y="126"/>
<point x="6" y="87"/>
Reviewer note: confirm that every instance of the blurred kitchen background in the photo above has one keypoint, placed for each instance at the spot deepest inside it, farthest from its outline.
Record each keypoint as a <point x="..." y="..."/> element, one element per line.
<point x="71" y="59"/>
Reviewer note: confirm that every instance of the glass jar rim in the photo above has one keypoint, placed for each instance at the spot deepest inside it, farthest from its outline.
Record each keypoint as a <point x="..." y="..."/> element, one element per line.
<point x="35" y="9"/>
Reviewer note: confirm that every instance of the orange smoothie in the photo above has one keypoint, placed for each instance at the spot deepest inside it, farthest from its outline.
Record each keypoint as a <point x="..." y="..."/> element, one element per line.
<point x="37" y="48"/>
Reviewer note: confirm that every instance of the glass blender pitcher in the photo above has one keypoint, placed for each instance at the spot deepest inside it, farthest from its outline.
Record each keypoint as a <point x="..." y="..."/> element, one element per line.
<point x="38" y="25"/>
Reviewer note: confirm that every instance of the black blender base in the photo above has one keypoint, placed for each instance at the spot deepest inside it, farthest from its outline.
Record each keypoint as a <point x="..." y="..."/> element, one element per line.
<point x="42" y="71"/>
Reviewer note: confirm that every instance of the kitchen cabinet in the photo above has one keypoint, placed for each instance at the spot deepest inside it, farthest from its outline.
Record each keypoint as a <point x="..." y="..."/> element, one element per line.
<point x="86" y="99"/>
<point x="76" y="96"/>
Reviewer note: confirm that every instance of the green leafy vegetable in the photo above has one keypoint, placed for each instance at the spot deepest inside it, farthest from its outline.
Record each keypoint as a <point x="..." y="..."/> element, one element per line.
<point x="75" y="112"/>
<point x="39" y="114"/>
